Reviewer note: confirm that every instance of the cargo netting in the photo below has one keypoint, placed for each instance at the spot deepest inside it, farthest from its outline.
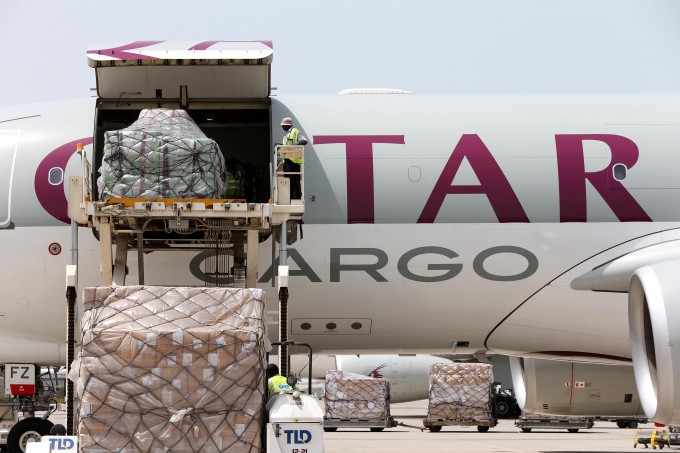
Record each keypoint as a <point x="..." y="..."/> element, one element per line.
<point x="460" y="391"/>
<point x="350" y="396"/>
<point x="163" y="154"/>
<point x="171" y="370"/>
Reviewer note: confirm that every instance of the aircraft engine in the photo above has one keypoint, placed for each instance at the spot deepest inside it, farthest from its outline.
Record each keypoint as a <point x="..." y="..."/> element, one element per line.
<point x="654" y="317"/>
<point x="574" y="389"/>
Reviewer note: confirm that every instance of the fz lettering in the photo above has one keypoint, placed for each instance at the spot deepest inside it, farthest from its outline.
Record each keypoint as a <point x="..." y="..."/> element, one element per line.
<point x="15" y="370"/>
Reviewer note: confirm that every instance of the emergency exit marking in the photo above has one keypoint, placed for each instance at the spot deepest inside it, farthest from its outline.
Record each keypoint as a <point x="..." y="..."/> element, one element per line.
<point x="54" y="248"/>
<point x="567" y="384"/>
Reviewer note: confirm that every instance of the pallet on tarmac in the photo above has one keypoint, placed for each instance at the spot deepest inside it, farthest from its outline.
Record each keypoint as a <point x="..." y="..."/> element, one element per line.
<point x="571" y="424"/>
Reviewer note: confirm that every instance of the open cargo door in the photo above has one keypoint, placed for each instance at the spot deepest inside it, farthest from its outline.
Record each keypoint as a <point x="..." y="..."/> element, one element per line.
<point x="211" y="70"/>
<point x="223" y="86"/>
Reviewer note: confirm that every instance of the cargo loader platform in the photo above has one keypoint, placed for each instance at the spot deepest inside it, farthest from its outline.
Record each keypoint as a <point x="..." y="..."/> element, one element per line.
<point x="163" y="224"/>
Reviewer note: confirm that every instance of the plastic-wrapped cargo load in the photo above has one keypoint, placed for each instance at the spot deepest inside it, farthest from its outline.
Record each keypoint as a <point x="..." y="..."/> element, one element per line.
<point x="460" y="391"/>
<point x="163" y="154"/>
<point x="171" y="369"/>
<point x="349" y="395"/>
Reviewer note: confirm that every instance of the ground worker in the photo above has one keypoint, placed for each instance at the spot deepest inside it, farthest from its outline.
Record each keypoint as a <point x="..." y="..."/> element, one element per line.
<point x="275" y="382"/>
<point x="293" y="136"/>
<point x="234" y="179"/>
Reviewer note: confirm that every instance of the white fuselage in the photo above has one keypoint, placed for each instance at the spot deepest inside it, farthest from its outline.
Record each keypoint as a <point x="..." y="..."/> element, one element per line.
<point x="432" y="224"/>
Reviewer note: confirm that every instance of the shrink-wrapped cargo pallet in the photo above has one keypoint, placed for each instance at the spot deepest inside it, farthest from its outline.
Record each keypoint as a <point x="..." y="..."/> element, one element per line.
<point x="460" y="391"/>
<point x="171" y="369"/>
<point x="162" y="154"/>
<point x="354" y="396"/>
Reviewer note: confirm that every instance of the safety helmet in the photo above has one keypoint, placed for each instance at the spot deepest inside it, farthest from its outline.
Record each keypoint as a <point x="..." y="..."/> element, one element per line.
<point x="287" y="121"/>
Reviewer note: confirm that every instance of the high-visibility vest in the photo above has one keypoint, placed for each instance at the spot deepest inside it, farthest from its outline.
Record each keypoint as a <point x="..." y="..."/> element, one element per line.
<point x="292" y="136"/>
<point x="278" y="384"/>
<point x="234" y="184"/>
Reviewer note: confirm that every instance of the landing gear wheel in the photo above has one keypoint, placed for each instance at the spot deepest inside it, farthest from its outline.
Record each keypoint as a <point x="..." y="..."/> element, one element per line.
<point x="526" y="430"/>
<point x="622" y="424"/>
<point x="502" y="409"/>
<point x="573" y="430"/>
<point x="331" y="429"/>
<point x="377" y="430"/>
<point x="25" y="430"/>
<point x="482" y="429"/>
<point x="435" y="429"/>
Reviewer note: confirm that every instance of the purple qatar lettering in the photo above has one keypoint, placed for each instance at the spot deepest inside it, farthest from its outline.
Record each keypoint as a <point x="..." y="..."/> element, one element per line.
<point x="494" y="184"/>
<point x="359" y="164"/>
<point x="573" y="176"/>
<point x="51" y="197"/>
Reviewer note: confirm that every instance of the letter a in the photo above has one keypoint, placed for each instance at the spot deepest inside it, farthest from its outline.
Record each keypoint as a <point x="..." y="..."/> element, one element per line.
<point x="493" y="183"/>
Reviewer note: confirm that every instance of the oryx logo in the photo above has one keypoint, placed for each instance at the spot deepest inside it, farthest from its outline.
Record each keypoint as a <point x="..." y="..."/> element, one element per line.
<point x="375" y="372"/>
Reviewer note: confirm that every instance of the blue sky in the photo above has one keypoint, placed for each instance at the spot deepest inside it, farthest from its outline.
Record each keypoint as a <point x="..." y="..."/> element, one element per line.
<point x="323" y="47"/>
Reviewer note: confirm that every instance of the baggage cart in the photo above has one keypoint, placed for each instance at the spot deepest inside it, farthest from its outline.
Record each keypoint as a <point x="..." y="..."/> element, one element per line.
<point x="435" y="425"/>
<point x="374" y="424"/>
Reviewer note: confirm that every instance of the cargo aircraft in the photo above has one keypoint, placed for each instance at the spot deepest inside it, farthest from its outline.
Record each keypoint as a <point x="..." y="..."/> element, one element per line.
<point x="545" y="227"/>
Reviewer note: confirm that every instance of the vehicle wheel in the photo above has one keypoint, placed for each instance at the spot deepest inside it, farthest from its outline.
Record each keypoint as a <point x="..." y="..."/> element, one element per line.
<point x="622" y="424"/>
<point x="573" y="430"/>
<point x="331" y="429"/>
<point x="377" y="430"/>
<point x="482" y="429"/>
<point x="435" y="429"/>
<point x="633" y="424"/>
<point x="502" y="409"/>
<point x="25" y="430"/>
<point x="526" y="430"/>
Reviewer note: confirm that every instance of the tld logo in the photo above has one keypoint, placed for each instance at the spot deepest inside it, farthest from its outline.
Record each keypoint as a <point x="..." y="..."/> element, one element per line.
<point x="62" y="443"/>
<point x="297" y="436"/>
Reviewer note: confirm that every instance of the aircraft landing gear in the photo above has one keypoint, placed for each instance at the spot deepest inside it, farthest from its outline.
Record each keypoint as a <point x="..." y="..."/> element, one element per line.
<point x="31" y="428"/>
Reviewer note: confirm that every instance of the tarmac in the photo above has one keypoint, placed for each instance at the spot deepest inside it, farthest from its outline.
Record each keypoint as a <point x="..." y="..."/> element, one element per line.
<point x="505" y="437"/>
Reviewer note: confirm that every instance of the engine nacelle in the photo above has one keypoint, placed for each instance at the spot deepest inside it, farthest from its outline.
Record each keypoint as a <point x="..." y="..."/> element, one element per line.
<point x="580" y="389"/>
<point x="654" y="316"/>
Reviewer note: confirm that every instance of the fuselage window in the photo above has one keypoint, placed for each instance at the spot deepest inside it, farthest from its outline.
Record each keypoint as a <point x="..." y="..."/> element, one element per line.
<point x="56" y="176"/>
<point x="620" y="172"/>
<point x="414" y="174"/>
